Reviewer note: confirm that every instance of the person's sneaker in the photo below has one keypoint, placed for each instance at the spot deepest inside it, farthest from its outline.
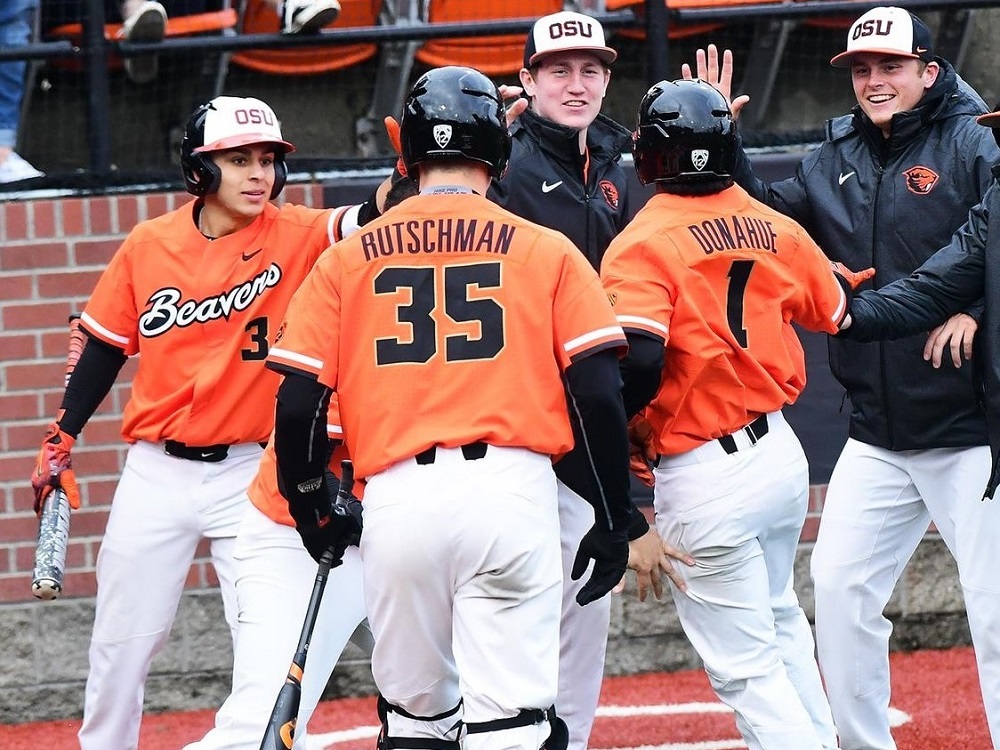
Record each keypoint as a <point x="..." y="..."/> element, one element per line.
<point x="307" y="16"/>
<point x="147" y="24"/>
<point x="15" y="168"/>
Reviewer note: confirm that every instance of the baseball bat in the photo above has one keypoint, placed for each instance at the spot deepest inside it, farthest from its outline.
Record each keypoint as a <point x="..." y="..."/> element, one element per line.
<point x="53" y="522"/>
<point x="280" y="732"/>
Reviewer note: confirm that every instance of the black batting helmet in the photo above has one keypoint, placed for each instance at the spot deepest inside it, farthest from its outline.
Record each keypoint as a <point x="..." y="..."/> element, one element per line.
<point x="223" y="123"/>
<point x="684" y="134"/>
<point x="455" y="112"/>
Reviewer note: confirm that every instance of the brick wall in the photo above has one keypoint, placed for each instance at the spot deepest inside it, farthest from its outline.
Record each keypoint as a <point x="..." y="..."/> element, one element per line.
<point x="51" y="252"/>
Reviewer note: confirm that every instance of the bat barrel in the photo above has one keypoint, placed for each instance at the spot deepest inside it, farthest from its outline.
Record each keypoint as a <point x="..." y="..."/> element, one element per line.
<point x="50" y="552"/>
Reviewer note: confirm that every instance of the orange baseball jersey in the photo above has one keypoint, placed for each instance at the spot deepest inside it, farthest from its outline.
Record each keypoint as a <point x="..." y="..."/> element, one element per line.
<point x="447" y="321"/>
<point x="720" y="280"/>
<point x="202" y="314"/>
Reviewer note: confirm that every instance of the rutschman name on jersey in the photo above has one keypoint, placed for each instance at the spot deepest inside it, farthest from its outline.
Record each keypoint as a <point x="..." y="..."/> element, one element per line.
<point x="166" y="309"/>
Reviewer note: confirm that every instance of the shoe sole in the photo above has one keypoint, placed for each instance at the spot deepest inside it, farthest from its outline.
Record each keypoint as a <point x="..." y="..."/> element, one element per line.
<point x="149" y="27"/>
<point x="316" y="22"/>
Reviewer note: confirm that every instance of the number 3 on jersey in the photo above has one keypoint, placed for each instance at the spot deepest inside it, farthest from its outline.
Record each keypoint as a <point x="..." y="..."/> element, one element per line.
<point x="425" y="290"/>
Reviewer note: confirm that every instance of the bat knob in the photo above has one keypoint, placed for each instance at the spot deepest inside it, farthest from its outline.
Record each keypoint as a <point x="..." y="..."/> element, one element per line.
<point x="46" y="589"/>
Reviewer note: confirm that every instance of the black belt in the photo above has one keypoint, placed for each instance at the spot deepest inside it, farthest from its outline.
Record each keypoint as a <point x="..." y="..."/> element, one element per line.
<point x="470" y="451"/>
<point x="755" y="431"/>
<point x="208" y="453"/>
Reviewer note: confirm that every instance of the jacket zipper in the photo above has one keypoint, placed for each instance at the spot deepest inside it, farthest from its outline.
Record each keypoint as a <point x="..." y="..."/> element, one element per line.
<point x="880" y="171"/>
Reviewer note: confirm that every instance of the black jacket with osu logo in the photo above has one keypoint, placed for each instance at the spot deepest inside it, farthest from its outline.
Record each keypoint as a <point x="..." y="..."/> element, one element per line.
<point x="545" y="181"/>
<point x="890" y="204"/>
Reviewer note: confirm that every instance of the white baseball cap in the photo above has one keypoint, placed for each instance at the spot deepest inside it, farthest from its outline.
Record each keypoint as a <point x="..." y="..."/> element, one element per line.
<point x="234" y="121"/>
<point x="564" y="32"/>
<point x="887" y="31"/>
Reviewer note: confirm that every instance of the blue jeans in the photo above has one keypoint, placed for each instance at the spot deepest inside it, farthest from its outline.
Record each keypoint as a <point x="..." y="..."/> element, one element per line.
<point x="15" y="31"/>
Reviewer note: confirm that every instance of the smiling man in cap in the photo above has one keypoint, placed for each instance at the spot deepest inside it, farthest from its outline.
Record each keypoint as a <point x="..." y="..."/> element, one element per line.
<point x="888" y="186"/>
<point x="565" y="174"/>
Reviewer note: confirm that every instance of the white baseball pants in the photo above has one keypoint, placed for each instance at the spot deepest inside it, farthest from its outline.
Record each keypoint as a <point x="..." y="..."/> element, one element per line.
<point x="879" y="504"/>
<point x="740" y="516"/>
<point x="274" y="580"/>
<point x="162" y="508"/>
<point x="583" y="635"/>
<point x="463" y="586"/>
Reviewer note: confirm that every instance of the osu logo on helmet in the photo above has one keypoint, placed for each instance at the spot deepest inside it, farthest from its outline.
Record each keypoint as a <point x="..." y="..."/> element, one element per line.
<point x="920" y="180"/>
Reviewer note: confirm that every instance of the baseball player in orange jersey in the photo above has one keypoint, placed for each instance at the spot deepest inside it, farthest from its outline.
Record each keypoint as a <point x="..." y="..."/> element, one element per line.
<point x="454" y="305"/>
<point x="273" y="583"/>
<point x="198" y="293"/>
<point x="706" y="282"/>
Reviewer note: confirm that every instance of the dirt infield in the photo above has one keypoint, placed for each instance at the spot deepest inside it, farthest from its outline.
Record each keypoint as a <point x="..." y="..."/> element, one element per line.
<point x="936" y="705"/>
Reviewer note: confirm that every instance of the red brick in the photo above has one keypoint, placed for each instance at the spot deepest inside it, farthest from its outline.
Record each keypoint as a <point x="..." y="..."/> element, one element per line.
<point x="73" y="218"/>
<point x="19" y="406"/>
<point x="17" y="346"/>
<point x="98" y="492"/>
<point x="156" y="205"/>
<point x="810" y="529"/>
<point x="73" y="284"/>
<point x="55" y="343"/>
<point x="99" y="210"/>
<point x="128" y="213"/>
<point x="28" y="377"/>
<point x="103" y="430"/>
<point x="97" y="461"/>
<point x="15" y="287"/>
<point x="23" y="436"/>
<point x="44" y="218"/>
<point x="16" y="221"/>
<point x="817" y="496"/>
<point x="41" y="255"/>
<point x="95" y="253"/>
<point x="18" y="528"/>
<point x="88" y="522"/>
<point x="211" y="577"/>
<point x="38" y="315"/>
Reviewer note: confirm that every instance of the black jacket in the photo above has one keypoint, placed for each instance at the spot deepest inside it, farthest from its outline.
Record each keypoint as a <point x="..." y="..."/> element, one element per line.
<point x="544" y="182"/>
<point x="959" y="272"/>
<point x="891" y="203"/>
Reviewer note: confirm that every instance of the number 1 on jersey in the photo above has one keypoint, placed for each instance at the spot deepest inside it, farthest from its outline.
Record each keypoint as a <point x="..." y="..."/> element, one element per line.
<point x="739" y="275"/>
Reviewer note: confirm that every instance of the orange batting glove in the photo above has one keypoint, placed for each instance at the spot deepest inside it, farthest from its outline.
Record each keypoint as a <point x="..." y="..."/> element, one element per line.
<point x="54" y="468"/>
<point x="641" y="449"/>
<point x="853" y="278"/>
<point x="392" y="130"/>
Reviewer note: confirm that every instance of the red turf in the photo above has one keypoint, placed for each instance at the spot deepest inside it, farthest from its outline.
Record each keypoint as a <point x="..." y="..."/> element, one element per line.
<point x="938" y="689"/>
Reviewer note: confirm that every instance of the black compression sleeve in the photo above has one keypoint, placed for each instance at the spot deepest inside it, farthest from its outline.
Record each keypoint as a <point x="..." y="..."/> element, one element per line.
<point x="642" y="370"/>
<point x="95" y="373"/>
<point x="597" y="467"/>
<point x="301" y="447"/>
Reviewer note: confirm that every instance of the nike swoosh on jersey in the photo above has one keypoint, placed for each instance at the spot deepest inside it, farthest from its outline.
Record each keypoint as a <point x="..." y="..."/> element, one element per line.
<point x="248" y="256"/>
<point x="844" y="177"/>
<point x="547" y="188"/>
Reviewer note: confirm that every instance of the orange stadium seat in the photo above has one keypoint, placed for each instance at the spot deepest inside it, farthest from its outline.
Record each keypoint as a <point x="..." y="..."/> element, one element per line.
<point x="494" y="55"/>
<point x="260" y="18"/>
<point x="674" y="30"/>
<point x="199" y="23"/>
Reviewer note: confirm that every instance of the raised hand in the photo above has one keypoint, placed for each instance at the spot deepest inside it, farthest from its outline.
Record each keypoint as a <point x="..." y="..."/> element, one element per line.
<point x="720" y="76"/>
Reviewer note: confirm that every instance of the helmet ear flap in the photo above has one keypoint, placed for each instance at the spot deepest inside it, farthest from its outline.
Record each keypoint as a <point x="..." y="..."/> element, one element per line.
<point x="280" y="175"/>
<point x="201" y="175"/>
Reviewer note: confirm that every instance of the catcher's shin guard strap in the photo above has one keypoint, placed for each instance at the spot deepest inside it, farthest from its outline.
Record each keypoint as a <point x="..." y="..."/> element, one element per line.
<point x="558" y="738"/>
<point x="387" y="742"/>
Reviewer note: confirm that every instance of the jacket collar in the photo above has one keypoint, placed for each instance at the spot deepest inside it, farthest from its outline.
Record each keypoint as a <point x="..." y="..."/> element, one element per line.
<point x="606" y="139"/>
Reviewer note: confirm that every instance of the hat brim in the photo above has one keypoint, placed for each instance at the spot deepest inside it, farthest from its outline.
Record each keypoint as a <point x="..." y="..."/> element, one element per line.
<point x="245" y="139"/>
<point x="989" y="120"/>
<point x="843" y="60"/>
<point x="605" y="54"/>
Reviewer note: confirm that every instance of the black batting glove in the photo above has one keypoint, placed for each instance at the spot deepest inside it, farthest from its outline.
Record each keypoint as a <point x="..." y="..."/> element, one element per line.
<point x="337" y="525"/>
<point x="609" y="551"/>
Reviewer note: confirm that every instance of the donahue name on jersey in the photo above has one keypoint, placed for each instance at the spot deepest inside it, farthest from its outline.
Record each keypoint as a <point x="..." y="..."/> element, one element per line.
<point x="734" y="233"/>
<point x="442" y="235"/>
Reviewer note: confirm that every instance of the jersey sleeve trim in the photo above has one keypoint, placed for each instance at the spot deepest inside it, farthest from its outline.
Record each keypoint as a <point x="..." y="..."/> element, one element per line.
<point x="646" y="324"/>
<point x="594" y="338"/>
<point x="103" y="332"/>
<point x="296" y="361"/>
<point x="334" y="431"/>
<point x="841" y="310"/>
<point x="344" y="222"/>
